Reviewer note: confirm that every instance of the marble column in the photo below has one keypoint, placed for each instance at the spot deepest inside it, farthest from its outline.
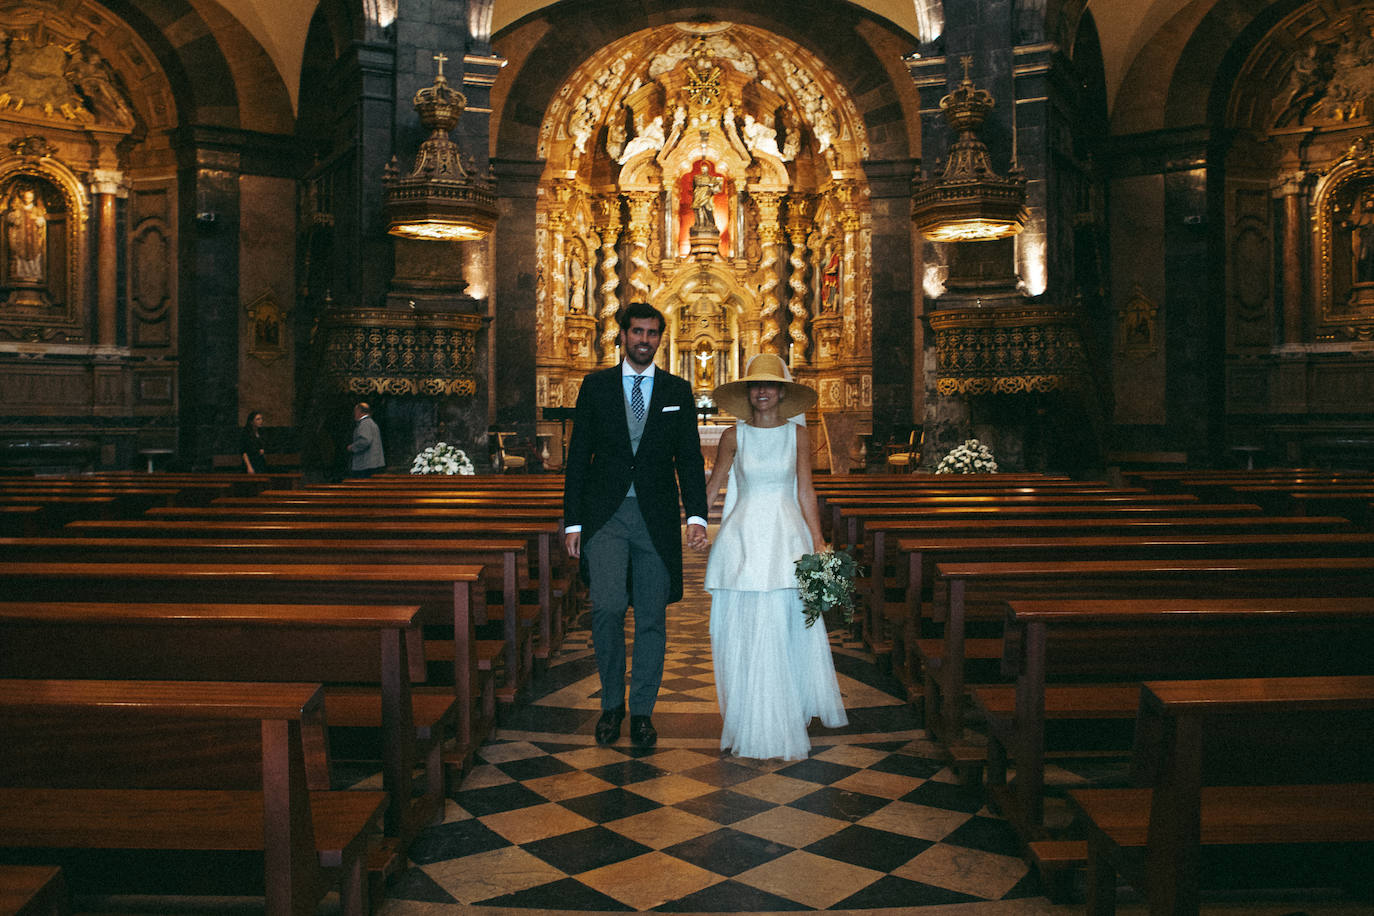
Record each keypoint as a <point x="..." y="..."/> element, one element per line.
<point x="1291" y="191"/>
<point x="105" y="187"/>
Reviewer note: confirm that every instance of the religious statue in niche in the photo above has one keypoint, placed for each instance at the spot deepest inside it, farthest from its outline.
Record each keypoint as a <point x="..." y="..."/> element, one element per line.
<point x="577" y="281"/>
<point x="705" y="187"/>
<point x="703" y="359"/>
<point x="704" y="205"/>
<point x="1360" y="224"/>
<point x="830" y="277"/>
<point x="26" y="237"/>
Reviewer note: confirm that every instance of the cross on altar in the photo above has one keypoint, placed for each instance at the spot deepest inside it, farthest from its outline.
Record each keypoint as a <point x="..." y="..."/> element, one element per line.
<point x="441" y="57"/>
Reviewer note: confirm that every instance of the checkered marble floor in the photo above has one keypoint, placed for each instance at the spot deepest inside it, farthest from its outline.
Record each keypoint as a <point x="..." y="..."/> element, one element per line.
<point x="872" y="821"/>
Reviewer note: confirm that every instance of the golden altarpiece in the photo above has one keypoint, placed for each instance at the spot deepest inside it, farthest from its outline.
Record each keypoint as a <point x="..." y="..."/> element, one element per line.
<point x="713" y="170"/>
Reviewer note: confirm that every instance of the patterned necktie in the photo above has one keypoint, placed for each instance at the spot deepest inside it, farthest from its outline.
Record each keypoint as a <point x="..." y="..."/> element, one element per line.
<point x="637" y="399"/>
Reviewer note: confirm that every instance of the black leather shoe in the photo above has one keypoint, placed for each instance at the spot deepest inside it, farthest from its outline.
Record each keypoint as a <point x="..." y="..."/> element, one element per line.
<point x="642" y="734"/>
<point x="608" y="726"/>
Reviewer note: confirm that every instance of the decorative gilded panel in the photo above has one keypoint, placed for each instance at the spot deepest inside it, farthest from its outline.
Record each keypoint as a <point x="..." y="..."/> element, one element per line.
<point x="1007" y="351"/>
<point x="376" y="351"/>
<point x="1343" y="211"/>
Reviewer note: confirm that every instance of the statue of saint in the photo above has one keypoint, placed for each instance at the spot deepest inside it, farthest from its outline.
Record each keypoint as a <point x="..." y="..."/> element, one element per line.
<point x="1361" y="226"/>
<point x="577" y="284"/>
<point x="705" y="187"/>
<point x="26" y="236"/>
<point x="830" y="279"/>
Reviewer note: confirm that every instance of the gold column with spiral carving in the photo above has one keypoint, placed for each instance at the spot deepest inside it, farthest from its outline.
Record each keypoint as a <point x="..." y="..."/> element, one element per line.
<point x="770" y="234"/>
<point x="609" y="210"/>
<point x="641" y="224"/>
<point x="798" y="225"/>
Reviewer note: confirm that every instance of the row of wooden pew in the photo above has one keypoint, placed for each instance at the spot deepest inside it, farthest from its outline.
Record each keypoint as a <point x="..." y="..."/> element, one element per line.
<point x="1032" y="609"/>
<point x="239" y="638"/>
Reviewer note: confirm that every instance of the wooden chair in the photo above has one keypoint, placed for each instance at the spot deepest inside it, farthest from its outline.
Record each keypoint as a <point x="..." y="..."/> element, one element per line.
<point x="905" y="458"/>
<point x="507" y="460"/>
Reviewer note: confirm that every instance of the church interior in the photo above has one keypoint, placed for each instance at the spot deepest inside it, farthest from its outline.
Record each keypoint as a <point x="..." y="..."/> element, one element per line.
<point x="1126" y="245"/>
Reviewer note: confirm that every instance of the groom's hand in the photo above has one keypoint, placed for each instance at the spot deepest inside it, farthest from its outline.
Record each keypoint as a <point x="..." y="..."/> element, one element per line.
<point x="573" y="542"/>
<point x="696" y="537"/>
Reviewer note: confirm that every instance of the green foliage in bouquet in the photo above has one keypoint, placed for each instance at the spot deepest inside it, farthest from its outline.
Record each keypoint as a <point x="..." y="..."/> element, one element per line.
<point x="826" y="582"/>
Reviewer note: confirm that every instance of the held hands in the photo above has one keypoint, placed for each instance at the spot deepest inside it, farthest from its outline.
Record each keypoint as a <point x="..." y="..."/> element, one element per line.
<point x="696" y="537"/>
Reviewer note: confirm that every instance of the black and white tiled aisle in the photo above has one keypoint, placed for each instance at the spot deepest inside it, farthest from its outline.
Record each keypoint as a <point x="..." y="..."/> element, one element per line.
<point x="549" y="821"/>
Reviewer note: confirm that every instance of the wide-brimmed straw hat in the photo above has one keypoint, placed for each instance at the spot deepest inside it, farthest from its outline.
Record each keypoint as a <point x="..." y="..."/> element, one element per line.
<point x="733" y="397"/>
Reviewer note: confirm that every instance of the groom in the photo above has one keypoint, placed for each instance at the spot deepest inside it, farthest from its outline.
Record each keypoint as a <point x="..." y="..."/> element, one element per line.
<point x="634" y="442"/>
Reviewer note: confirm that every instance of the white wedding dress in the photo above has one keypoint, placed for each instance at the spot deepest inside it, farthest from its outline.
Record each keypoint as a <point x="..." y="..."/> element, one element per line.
<point x="773" y="673"/>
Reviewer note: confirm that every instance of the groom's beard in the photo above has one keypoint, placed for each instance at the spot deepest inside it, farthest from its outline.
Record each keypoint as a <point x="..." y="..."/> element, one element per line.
<point x="641" y="356"/>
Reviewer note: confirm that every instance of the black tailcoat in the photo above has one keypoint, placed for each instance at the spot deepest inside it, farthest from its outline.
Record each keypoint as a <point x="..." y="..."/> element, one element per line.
<point x="601" y="466"/>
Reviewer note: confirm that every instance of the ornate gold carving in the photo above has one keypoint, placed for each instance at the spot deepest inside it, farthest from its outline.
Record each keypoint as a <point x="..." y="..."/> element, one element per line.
<point x="609" y="210"/>
<point x="376" y="351"/>
<point x="1343" y="211"/>
<point x="1008" y="350"/>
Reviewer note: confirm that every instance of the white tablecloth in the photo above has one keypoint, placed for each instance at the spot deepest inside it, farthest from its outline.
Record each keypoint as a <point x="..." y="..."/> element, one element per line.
<point x="710" y="441"/>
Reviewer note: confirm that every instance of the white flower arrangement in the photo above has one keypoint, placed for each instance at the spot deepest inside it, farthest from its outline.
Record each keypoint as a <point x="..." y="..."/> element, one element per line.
<point x="973" y="457"/>
<point x="442" y="458"/>
<point x="826" y="581"/>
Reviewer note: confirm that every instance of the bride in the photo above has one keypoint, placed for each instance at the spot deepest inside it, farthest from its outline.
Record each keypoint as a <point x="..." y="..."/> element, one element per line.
<point x="773" y="673"/>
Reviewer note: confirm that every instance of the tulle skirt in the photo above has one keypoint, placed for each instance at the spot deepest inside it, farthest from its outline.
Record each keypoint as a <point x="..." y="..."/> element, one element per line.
<point x="773" y="674"/>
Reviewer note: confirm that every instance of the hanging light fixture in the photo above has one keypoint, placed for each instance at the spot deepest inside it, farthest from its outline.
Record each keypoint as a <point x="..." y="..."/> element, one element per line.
<point x="443" y="198"/>
<point x="968" y="201"/>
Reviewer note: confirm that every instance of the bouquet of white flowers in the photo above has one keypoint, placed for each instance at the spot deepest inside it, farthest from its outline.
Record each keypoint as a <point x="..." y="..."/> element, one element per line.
<point x="442" y="458"/>
<point x="826" y="581"/>
<point x="973" y="457"/>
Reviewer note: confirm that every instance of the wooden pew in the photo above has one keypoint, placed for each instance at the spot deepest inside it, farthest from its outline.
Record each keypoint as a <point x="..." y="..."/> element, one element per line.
<point x="139" y="494"/>
<point x="350" y="646"/>
<point x="543" y="537"/>
<point x="881" y="533"/>
<point x="148" y="766"/>
<point x="56" y="511"/>
<point x="446" y="595"/>
<point x="504" y="560"/>
<point x="923" y="553"/>
<point x="1084" y="660"/>
<point x="855" y="521"/>
<point x="1186" y="732"/>
<point x="32" y="890"/>
<point x="847" y="512"/>
<point x="238" y="482"/>
<point x="986" y="585"/>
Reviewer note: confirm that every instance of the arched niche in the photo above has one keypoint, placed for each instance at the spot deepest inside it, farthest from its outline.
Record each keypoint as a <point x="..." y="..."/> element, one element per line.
<point x="44" y="214"/>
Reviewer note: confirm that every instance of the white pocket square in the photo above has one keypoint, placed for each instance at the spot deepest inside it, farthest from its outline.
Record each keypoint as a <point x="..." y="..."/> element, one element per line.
<point x="672" y="407"/>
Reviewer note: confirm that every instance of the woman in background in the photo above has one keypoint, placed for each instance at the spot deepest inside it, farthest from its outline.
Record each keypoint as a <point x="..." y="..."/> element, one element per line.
<point x="250" y="444"/>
